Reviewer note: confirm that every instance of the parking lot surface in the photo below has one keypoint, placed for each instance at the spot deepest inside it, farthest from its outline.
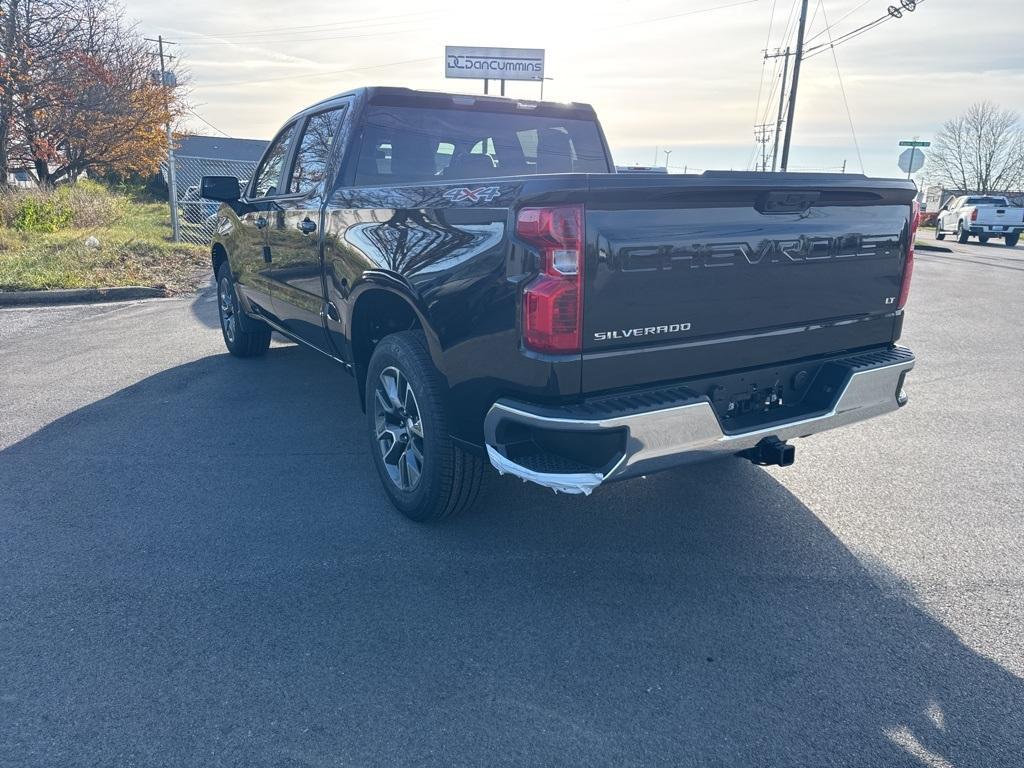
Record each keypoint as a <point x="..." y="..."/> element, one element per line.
<point x="198" y="568"/>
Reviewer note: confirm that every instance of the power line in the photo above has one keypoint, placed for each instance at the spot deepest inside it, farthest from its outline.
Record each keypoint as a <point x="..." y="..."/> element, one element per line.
<point x="352" y="23"/>
<point x="764" y="61"/>
<point x="841" y="18"/>
<point x="842" y="88"/>
<point x="315" y="74"/>
<point x="684" y="13"/>
<point x="204" y="120"/>
<point x="894" y="12"/>
<point x="810" y="53"/>
<point x="306" y="39"/>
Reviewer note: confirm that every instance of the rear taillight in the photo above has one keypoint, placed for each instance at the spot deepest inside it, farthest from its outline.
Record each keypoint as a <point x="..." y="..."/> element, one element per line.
<point x="553" y="301"/>
<point x="908" y="269"/>
<point x="974" y="215"/>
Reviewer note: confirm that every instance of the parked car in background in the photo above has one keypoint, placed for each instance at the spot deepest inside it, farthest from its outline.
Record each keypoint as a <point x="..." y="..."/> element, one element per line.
<point x="502" y="296"/>
<point x="980" y="216"/>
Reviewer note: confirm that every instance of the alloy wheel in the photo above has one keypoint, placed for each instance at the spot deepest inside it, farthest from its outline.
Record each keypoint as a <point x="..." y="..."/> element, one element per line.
<point x="399" y="428"/>
<point x="228" y="321"/>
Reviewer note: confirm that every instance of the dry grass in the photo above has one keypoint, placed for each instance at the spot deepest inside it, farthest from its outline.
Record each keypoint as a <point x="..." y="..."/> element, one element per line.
<point x="134" y="243"/>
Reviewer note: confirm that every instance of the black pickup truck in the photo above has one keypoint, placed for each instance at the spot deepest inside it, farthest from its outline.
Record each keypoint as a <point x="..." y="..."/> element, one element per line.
<point x="502" y="296"/>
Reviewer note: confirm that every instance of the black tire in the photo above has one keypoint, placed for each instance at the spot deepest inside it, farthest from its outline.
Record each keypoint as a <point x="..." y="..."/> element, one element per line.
<point x="962" y="234"/>
<point x="449" y="478"/>
<point x="1012" y="240"/>
<point x="939" y="234"/>
<point x="243" y="335"/>
<point x="983" y="239"/>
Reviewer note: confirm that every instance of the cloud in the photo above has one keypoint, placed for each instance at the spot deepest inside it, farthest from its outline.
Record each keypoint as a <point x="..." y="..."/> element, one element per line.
<point x="689" y="83"/>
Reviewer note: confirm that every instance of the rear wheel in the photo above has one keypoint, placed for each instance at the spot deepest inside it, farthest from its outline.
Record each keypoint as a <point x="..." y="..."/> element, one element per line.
<point x="1012" y="240"/>
<point x="426" y="476"/>
<point x="961" y="234"/>
<point x="243" y="336"/>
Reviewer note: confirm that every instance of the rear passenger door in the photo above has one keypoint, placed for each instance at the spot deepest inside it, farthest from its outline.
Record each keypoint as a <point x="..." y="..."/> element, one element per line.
<point x="293" y="235"/>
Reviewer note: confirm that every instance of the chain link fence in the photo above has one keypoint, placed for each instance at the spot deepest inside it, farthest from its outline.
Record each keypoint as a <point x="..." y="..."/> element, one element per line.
<point x="197" y="218"/>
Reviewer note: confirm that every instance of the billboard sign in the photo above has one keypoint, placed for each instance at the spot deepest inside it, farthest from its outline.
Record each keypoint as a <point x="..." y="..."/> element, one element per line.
<point x="494" y="63"/>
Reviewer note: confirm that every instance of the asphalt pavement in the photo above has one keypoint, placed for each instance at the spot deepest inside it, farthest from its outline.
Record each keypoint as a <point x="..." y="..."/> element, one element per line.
<point x="198" y="568"/>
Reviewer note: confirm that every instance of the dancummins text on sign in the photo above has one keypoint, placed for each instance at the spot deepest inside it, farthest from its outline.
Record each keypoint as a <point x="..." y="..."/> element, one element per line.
<point x="494" y="63"/>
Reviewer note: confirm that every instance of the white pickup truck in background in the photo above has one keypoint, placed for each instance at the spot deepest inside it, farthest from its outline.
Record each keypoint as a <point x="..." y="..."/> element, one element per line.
<point x="981" y="216"/>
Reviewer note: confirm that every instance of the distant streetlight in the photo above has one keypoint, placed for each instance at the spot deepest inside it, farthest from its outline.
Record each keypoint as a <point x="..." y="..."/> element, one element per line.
<point x="667" y="153"/>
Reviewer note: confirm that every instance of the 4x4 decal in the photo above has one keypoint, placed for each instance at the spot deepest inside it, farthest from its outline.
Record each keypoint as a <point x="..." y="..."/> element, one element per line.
<point x="472" y="194"/>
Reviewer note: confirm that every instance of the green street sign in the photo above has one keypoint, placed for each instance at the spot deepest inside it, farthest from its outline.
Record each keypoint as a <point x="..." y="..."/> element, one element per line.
<point x="915" y="143"/>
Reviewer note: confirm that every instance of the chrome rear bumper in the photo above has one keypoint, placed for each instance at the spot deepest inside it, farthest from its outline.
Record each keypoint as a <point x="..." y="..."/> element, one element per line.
<point x="659" y="438"/>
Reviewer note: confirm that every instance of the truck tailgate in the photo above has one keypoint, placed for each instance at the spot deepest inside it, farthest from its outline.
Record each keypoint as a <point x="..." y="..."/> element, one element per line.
<point x="999" y="215"/>
<point x="691" y="275"/>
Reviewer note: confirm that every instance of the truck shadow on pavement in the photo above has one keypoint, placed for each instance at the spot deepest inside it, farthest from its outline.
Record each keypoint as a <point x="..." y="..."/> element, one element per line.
<point x="202" y="570"/>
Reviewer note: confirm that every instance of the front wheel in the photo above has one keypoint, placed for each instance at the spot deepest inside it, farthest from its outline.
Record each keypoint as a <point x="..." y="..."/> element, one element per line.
<point x="961" y="234"/>
<point x="243" y="336"/>
<point x="1012" y="240"/>
<point x="426" y="476"/>
<point x="939" y="234"/>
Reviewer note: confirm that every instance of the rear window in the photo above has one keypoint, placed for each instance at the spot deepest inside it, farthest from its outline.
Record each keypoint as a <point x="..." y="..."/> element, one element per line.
<point x="409" y="144"/>
<point x="986" y="201"/>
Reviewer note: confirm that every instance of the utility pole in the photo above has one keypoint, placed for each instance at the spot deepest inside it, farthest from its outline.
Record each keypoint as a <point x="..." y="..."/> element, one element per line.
<point x="763" y="135"/>
<point x="172" y="176"/>
<point x="796" y="82"/>
<point x="782" y="101"/>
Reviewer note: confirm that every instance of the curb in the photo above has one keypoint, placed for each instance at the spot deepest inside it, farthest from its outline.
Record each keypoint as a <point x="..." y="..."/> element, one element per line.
<point x="79" y="295"/>
<point x="935" y="248"/>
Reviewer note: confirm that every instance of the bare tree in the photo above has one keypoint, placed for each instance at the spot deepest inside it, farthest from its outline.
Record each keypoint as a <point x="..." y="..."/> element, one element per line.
<point x="981" y="151"/>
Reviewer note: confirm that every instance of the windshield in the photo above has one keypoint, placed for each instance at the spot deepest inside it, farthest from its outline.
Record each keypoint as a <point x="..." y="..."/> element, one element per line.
<point x="408" y="144"/>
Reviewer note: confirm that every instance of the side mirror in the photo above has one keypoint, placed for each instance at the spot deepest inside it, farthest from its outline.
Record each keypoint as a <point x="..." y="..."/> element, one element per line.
<point x="226" y="189"/>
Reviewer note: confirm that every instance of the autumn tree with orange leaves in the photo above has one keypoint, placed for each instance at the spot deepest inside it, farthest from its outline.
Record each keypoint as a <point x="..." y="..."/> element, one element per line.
<point x="77" y="92"/>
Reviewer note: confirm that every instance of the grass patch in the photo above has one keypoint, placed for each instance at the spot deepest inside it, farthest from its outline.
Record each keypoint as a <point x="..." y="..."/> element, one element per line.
<point x="43" y="242"/>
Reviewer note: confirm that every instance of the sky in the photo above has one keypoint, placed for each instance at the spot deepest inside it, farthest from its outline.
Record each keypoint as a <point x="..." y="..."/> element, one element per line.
<point x="686" y="76"/>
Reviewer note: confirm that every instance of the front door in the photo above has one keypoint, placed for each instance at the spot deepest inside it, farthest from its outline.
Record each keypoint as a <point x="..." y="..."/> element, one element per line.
<point x="250" y="261"/>
<point x="293" y="233"/>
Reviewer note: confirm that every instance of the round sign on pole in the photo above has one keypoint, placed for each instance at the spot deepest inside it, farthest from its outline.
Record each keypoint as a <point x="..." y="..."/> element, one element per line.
<point x="911" y="160"/>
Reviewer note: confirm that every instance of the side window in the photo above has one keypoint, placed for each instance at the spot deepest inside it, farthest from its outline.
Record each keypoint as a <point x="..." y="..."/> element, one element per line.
<point x="315" y="149"/>
<point x="268" y="177"/>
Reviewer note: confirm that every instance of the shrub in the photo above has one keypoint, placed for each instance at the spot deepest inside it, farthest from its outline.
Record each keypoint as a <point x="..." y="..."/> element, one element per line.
<point x="91" y="204"/>
<point x="85" y="204"/>
<point x="41" y="214"/>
